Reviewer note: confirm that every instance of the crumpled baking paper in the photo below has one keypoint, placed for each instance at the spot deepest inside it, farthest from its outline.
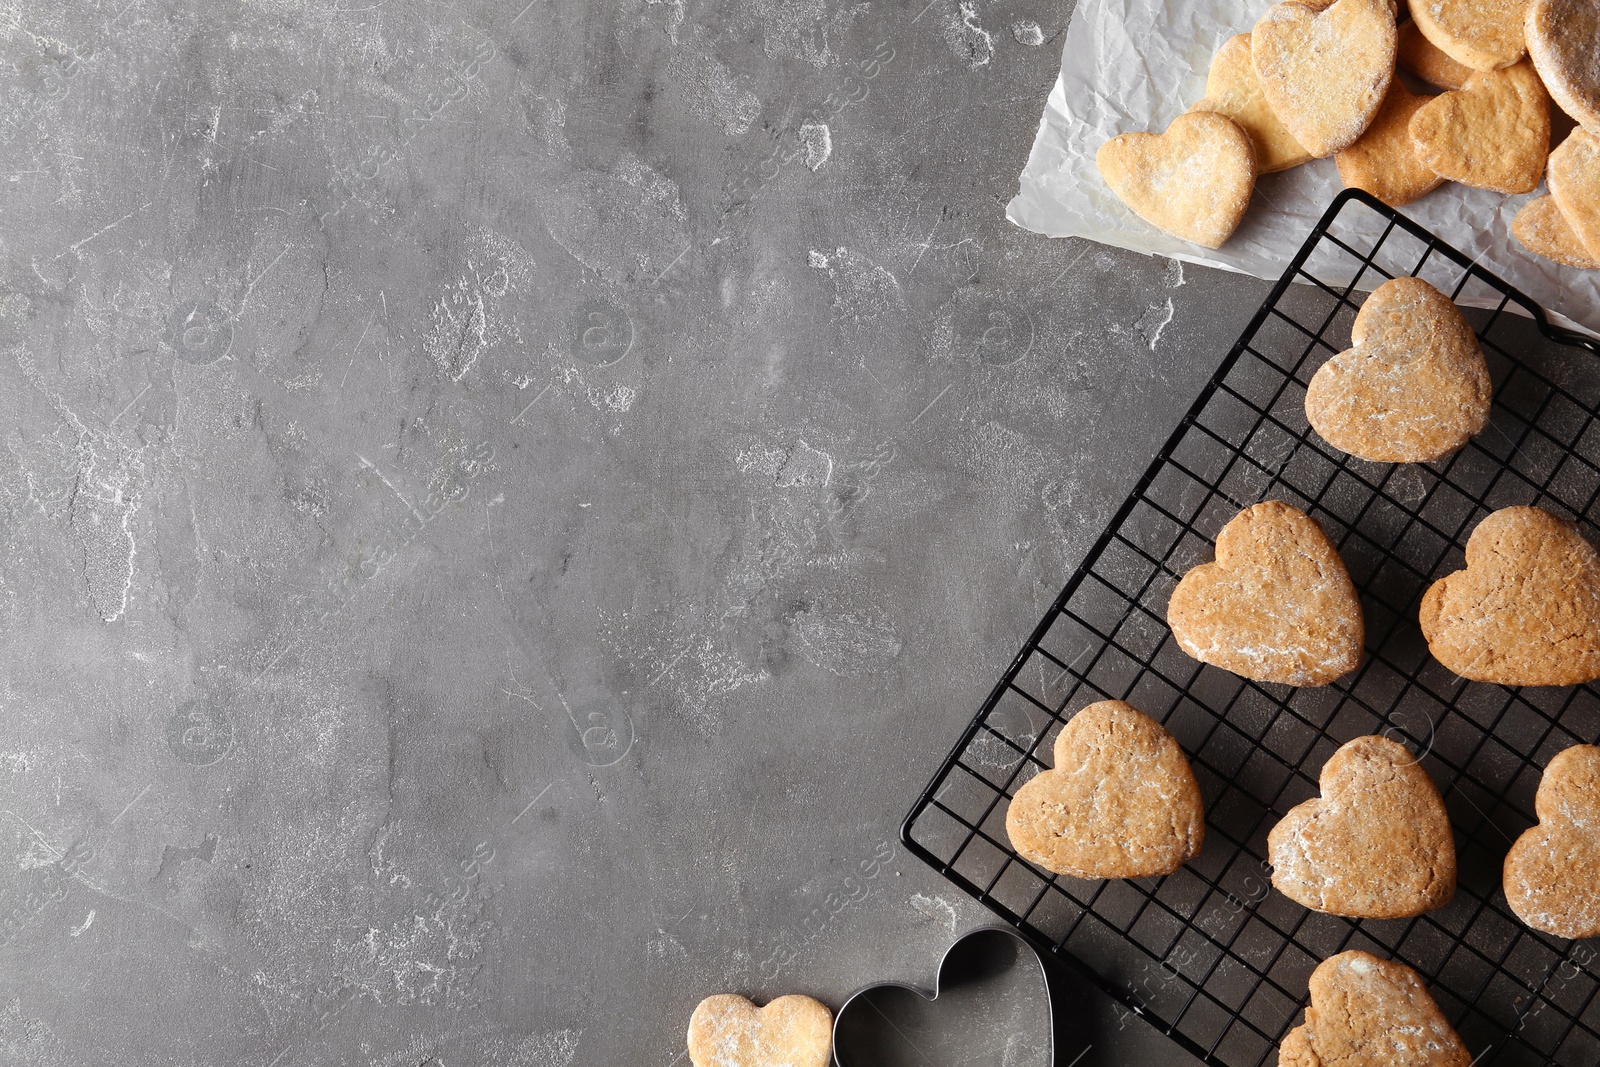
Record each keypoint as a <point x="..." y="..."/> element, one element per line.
<point x="1137" y="65"/>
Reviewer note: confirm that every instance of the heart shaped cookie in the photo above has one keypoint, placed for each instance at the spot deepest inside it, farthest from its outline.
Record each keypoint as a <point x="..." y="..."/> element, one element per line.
<point x="1481" y="34"/>
<point x="1526" y="611"/>
<point x="1232" y="89"/>
<point x="1545" y="231"/>
<point x="1325" y="72"/>
<point x="1561" y="42"/>
<point x="728" y="1031"/>
<point x="1414" y="385"/>
<point x="1575" y="184"/>
<point x="1375" y="845"/>
<point x="1420" y="56"/>
<point x="1276" y="606"/>
<point x="1493" y="132"/>
<point x="1552" y="876"/>
<point x="1193" y="181"/>
<point x="1121" y="801"/>
<point x="1383" y="161"/>
<point x="1367" y="1012"/>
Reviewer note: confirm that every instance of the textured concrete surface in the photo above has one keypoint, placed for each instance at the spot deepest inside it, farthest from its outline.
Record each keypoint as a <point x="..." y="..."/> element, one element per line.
<point x="504" y="505"/>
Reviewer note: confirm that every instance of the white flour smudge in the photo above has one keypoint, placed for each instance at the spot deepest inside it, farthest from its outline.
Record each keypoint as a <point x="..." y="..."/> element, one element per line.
<point x="557" y="1049"/>
<point x="804" y="466"/>
<point x="967" y="39"/>
<point x="1006" y="464"/>
<point x="674" y="17"/>
<point x="27" y="1040"/>
<point x="100" y="495"/>
<point x="613" y="397"/>
<point x="874" y="319"/>
<point x="624" y="225"/>
<point x="460" y="330"/>
<point x="465" y="319"/>
<point x="715" y="93"/>
<point x="850" y="645"/>
<point x="620" y="398"/>
<point x="1027" y="32"/>
<point x="101" y="514"/>
<point x="763" y="461"/>
<point x="935" y="909"/>
<point x="797" y="29"/>
<point x="722" y="671"/>
<point x="1154" y="321"/>
<point x="817" y="140"/>
<point x="659" y="188"/>
<point x="692" y="668"/>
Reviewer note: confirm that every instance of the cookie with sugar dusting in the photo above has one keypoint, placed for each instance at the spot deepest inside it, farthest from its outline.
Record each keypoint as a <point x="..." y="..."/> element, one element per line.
<point x="1120" y="802"/>
<point x="1481" y="34"/>
<point x="1412" y="388"/>
<point x="1193" y="181"/>
<point x="1232" y="89"/>
<point x="1375" y="845"/>
<point x="1552" y="873"/>
<point x="727" y="1030"/>
<point x="1277" y="605"/>
<point x="1383" y="161"/>
<point x="1367" y="1012"/>
<point x="1575" y="184"/>
<point x="1526" y="610"/>
<point x="1562" y="36"/>
<point x="1325" y="72"/>
<point x="1545" y="231"/>
<point x="1493" y="133"/>
<point x="1420" y="56"/>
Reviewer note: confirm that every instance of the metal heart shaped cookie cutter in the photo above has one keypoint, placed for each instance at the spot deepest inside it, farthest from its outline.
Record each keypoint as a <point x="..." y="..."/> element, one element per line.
<point x="990" y="1004"/>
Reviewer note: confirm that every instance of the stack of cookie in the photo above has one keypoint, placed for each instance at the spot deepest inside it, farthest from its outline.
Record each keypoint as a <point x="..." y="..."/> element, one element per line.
<point x="1316" y="79"/>
<point x="1277" y="605"/>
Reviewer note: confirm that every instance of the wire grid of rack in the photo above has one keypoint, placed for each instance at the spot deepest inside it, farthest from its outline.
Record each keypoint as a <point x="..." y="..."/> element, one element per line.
<point x="1211" y="955"/>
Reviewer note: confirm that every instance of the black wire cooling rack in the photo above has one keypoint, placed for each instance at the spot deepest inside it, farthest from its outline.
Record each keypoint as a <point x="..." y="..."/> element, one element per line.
<point x="1211" y="955"/>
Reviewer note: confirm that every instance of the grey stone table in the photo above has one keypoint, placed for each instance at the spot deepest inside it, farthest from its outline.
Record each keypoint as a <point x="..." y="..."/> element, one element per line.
<point x="505" y="504"/>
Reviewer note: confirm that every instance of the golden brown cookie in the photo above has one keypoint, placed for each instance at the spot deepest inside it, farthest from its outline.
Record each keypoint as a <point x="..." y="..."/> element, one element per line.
<point x="1367" y="1012"/>
<point x="1413" y="387"/>
<point x="1232" y="89"/>
<point x="1376" y="844"/>
<point x="1575" y="184"/>
<point x="1193" y="181"/>
<point x="1296" y="1050"/>
<point x="1481" y="34"/>
<point x="1562" y="38"/>
<point x="1545" y="231"/>
<point x="1276" y="606"/>
<point x="1383" y="161"/>
<point x="1552" y="877"/>
<point x="729" y="1031"/>
<point x="1121" y="801"/>
<point x="1399" y="9"/>
<point x="1325" y="72"/>
<point x="1526" y="611"/>
<point x="1423" y="58"/>
<point x="1493" y="133"/>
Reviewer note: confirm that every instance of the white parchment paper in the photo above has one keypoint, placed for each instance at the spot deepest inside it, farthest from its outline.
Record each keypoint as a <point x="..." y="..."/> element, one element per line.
<point x="1137" y="65"/>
